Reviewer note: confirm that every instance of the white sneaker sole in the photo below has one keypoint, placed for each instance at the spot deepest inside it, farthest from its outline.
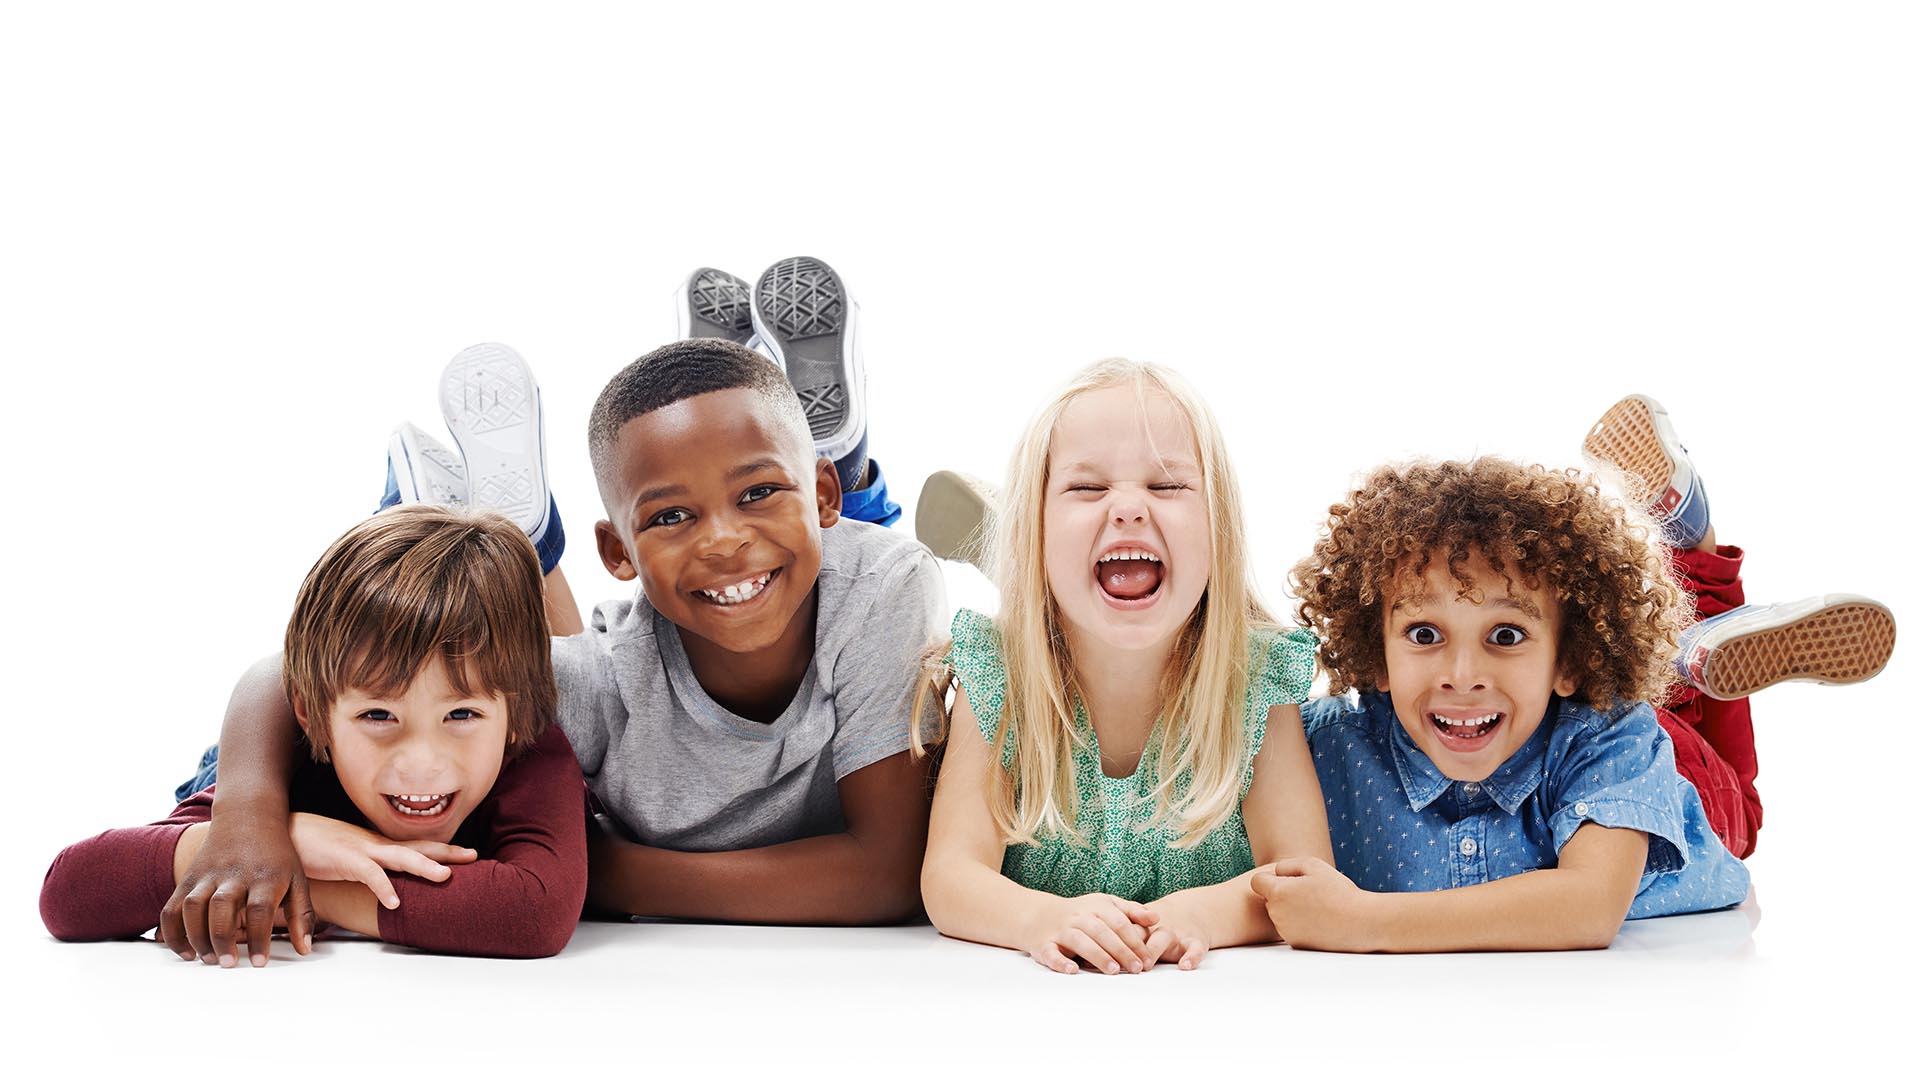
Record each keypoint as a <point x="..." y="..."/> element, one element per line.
<point x="425" y="471"/>
<point x="492" y="407"/>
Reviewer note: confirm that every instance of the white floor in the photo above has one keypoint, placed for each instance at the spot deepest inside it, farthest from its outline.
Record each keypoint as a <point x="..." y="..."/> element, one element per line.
<point x="239" y="243"/>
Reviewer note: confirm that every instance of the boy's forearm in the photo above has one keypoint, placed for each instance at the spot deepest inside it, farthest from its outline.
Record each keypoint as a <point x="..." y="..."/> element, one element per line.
<point x="346" y="904"/>
<point x="835" y="880"/>
<point x="258" y="745"/>
<point x="1543" y="910"/>
<point x="1230" y="912"/>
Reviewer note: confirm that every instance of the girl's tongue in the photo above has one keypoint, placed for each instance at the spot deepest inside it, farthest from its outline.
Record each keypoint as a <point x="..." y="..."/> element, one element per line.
<point x="1129" y="579"/>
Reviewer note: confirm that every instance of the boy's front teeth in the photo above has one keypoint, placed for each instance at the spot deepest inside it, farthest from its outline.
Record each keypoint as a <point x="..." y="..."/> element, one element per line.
<point x="739" y="591"/>
<point x="1468" y="726"/>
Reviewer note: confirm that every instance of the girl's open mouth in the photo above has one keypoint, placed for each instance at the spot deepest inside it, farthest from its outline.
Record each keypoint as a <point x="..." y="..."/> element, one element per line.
<point x="421" y="806"/>
<point x="1129" y="575"/>
<point x="1465" y="732"/>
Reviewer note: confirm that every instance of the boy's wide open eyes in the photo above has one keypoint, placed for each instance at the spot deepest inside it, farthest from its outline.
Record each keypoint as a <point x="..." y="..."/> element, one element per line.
<point x="1506" y="636"/>
<point x="1423" y="634"/>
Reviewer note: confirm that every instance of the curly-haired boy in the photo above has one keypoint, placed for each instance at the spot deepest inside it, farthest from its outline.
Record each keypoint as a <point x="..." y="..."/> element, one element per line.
<point x="1500" y="780"/>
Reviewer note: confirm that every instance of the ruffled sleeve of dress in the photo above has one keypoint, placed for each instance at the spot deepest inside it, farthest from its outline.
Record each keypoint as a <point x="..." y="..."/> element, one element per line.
<point x="977" y="663"/>
<point x="1282" y="674"/>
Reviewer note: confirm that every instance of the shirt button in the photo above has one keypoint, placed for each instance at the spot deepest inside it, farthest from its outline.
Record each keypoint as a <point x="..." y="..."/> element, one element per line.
<point x="1470" y="788"/>
<point x="1468" y="847"/>
<point x="1580" y="808"/>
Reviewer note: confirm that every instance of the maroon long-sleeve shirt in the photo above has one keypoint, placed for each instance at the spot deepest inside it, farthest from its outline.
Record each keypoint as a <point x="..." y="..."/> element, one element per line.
<point x="522" y="898"/>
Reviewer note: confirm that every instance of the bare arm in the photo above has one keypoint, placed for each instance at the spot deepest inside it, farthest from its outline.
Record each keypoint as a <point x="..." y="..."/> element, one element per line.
<point x="247" y="868"/>
<point x="864" y="876"/>
<point x="1578" y="904"/>
<point x="1285" y="819"/>
<point x="967" y="896"/>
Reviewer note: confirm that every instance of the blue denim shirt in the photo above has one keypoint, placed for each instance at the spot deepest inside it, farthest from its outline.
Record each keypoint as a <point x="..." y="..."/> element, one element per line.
<point x="1400" y="825"/>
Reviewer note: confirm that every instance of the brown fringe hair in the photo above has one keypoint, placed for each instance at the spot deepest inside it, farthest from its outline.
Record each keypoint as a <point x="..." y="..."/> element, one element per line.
<point x="413" y="583"/>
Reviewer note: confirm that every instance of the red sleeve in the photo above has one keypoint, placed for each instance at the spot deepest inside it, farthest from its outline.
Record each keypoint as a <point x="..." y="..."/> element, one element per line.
<point x="114" y="885"/>
<point x="523" y="897"/>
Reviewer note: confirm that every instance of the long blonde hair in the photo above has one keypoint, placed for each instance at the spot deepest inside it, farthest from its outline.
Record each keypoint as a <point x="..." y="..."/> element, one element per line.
<point x="1203" y="750"/>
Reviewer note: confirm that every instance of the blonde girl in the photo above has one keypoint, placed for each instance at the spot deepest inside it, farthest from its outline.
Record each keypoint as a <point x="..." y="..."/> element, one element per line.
<point x="1124" y="741"/>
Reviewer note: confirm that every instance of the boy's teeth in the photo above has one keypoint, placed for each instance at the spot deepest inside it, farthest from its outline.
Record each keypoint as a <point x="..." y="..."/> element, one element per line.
<point x="739" y="591"/>
<point x="1472" y="721"/>
<point x="420" y="805"/>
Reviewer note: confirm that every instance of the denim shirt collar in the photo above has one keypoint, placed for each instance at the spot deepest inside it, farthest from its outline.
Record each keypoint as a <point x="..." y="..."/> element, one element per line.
<point x="1517" y="777"/>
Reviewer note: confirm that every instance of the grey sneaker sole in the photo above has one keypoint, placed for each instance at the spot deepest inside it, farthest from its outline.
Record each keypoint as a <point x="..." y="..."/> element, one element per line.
<point x="492" y="407"/>
<point x="715" y="304"/>
<point x="802" y="312"/>
<point x="955" y="516"/>
<point x="1848" y="641"/>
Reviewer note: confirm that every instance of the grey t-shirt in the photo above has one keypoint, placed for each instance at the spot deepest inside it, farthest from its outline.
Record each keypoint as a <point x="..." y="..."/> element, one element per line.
<point x="679" y="771"/>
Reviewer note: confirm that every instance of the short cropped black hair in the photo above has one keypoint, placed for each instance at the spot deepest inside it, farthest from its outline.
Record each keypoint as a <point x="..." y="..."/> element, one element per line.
<point x="676" y="372"/>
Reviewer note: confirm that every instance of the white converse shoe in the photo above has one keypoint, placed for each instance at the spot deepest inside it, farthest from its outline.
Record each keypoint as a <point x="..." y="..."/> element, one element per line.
<point x="492" y="406"/>
<point x="420" y="470"/>
<point x="1838" y="638"/>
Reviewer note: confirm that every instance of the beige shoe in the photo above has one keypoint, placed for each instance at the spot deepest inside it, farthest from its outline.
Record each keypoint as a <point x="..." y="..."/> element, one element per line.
<point x="954" y="516"/>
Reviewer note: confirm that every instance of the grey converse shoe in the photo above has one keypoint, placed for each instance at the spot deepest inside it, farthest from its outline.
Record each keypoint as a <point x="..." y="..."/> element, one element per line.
<point x="810" y="326"/>
<point x="714" y="304"/>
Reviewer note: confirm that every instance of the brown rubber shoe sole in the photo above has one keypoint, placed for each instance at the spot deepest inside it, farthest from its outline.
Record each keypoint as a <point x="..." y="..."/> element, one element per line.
<point x="1848" y="642"/>
<point x="1625" y="437"/>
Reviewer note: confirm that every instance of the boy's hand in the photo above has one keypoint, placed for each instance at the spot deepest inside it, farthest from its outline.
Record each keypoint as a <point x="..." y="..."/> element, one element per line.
<point x="332" y="850"/>
<point x="1175" y="938"/>
<point x="244" y="873"/>
<point x="1313" y="905"/>
<point x="1108" y="933"/>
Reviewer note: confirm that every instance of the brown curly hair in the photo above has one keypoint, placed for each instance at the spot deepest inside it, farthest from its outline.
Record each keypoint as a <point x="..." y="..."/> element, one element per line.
<point x="1552" y="530"/>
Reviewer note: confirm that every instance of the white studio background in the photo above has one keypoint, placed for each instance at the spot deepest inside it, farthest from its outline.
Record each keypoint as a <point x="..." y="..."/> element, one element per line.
<point x="238" y="242"/>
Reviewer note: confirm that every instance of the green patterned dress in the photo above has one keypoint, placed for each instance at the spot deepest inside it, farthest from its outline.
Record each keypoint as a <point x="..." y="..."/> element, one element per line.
<point x="1125" y="855"/>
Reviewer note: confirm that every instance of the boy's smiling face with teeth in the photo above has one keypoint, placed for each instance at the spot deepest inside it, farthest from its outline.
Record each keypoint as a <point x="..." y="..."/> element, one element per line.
<point x="417" y="761"/>
<point x="1471" y="676"/>
<point x="718" y="507"/>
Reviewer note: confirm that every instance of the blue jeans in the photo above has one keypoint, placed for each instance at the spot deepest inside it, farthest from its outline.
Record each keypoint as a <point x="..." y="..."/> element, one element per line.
<point x="203" y="779"/>
<point x="870" y="503"/>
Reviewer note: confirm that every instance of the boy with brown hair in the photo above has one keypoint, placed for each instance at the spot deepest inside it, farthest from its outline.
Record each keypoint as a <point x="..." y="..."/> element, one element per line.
<point x="416" y="663"/>
<point x="743" y="718"/>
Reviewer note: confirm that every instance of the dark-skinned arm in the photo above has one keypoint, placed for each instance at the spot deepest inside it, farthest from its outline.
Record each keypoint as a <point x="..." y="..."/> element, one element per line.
<point x="247" y="868"/>
<point x="865" y="876"/>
